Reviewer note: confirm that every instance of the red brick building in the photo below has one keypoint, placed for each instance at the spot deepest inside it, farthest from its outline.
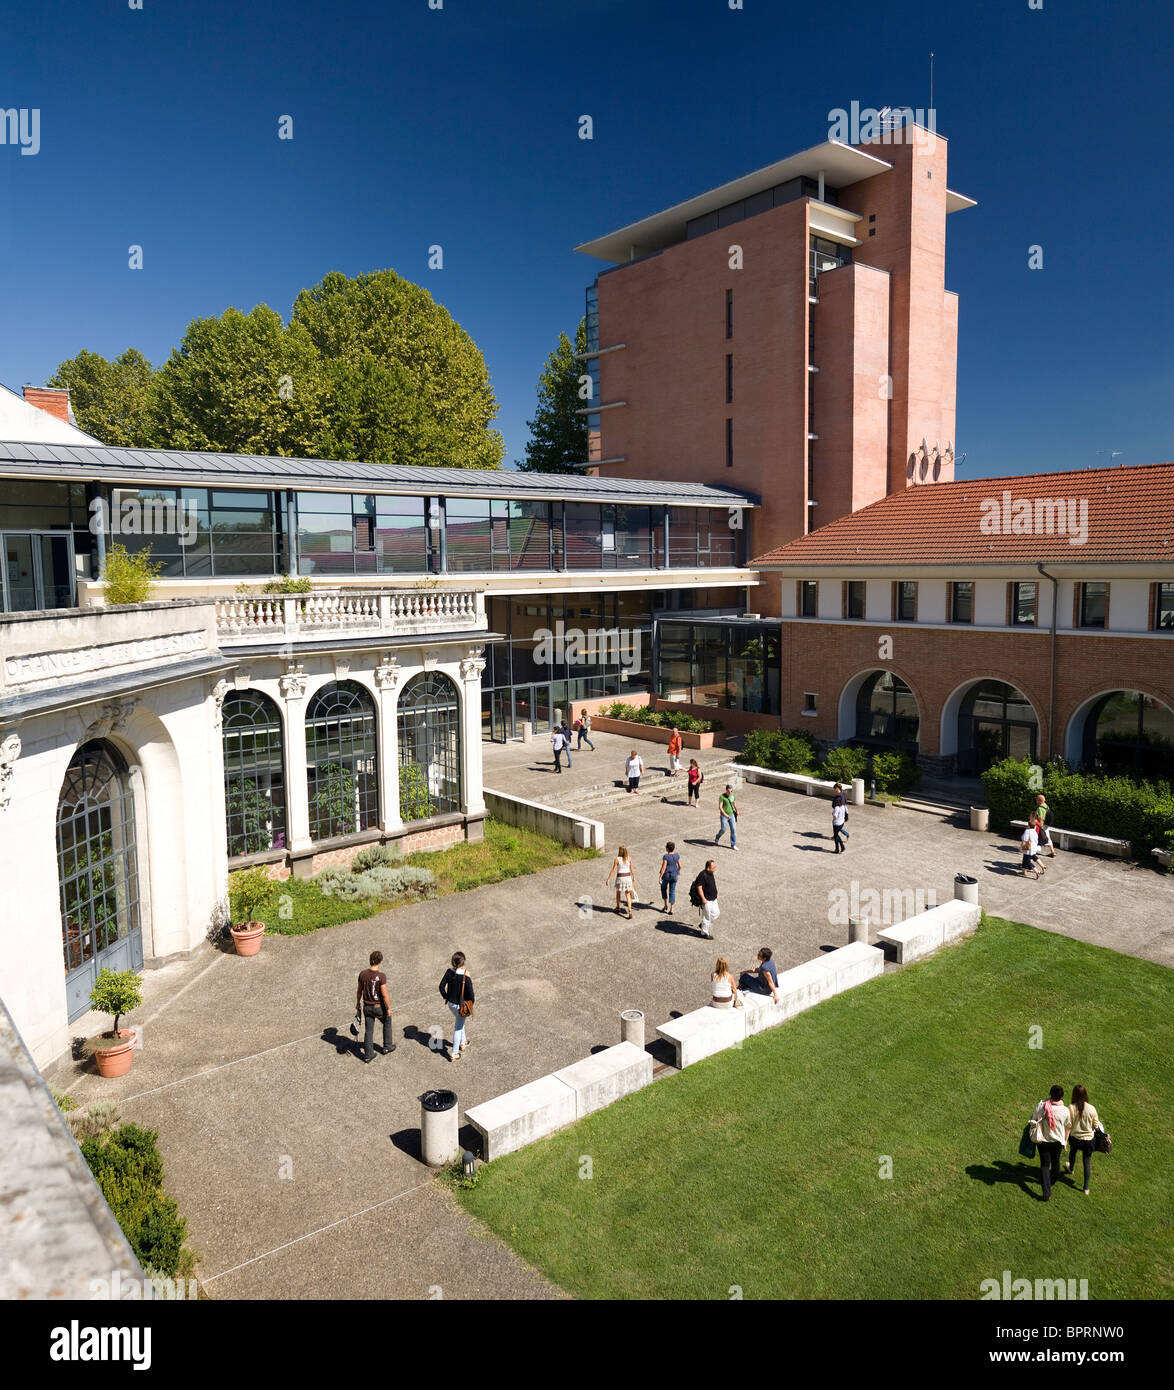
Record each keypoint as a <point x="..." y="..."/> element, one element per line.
<point x="788" y="334"/>
<point x="1029" y="616"/>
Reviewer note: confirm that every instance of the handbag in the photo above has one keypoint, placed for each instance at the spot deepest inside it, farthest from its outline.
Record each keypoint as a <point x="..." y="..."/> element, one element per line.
<point x="1101" y="1142"/>
<point x="466" y="1007"/>
<point x="356" y="1023"/>
<point x="1026" y="1145"/>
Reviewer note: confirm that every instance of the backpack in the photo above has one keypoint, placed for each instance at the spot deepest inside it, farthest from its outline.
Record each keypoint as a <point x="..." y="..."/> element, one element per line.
<point x="694" y="894"/>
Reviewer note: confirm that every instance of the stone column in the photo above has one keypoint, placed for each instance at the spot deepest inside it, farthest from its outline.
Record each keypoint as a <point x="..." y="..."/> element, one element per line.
<point x="297" y="798"/>
<point x="387" y="675"/>
<point x="471" y="772"/>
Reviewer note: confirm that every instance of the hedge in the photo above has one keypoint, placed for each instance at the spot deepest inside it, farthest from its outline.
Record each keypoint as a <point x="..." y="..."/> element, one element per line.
<point x="128" y="1167"/>
<point x="790" y="751"/>
<point x="662" y="719"/>
<point x="1117" y="807"/>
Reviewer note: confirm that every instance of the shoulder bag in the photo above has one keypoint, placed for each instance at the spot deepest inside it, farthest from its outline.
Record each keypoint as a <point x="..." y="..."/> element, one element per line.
<point x="1101" y="1142"/>
<point x="466" y="1008"/>
<point x="1026" y="1143"/>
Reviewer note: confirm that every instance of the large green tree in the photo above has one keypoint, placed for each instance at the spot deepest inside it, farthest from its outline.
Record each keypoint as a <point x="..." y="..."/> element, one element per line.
<point x="113" y="401"/>
<point x="558" y="434"/>
<point x="408" y="384"/>
<point x="368" y="368"/>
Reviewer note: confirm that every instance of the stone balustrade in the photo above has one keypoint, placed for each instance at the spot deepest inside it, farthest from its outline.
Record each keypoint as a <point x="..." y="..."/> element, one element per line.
<point x="265" y="618"/>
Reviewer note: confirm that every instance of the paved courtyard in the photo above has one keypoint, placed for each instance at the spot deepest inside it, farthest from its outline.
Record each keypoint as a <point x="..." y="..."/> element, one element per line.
<point x="297" y="1167"/>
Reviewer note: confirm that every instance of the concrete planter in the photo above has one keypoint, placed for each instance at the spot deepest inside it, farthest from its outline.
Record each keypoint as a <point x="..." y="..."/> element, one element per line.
<point x="247" y="937"/>
<point x="653" y="733"/>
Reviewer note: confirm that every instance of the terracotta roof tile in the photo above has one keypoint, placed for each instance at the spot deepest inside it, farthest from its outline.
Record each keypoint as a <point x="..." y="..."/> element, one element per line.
<point x="1118" y="515"/>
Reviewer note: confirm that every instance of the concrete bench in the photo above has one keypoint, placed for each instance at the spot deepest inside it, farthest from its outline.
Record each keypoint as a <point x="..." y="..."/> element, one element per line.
<point x="606" y="1076"/>
<point x="851" y="965"/>
<point x="929" y="931"/>
<point x="703" y="1032"/>
<point x="520" y="1117"/>
<point x="799" y="988"/>
<point x="789" y="781"/>
<point x="1085" y="844"/>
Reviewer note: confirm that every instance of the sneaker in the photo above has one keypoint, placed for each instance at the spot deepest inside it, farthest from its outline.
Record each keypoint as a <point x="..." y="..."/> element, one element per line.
<point x="734" y="848"/>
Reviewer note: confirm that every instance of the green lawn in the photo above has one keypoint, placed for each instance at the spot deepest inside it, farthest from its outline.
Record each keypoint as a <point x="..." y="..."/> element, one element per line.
<point x="507" y="851"/>
<point x="759" y="1168"/>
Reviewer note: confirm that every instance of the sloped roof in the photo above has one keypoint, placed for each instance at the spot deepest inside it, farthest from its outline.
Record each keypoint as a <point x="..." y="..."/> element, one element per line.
<point x="20" y="420"/>
<point x="1126" y="516"/>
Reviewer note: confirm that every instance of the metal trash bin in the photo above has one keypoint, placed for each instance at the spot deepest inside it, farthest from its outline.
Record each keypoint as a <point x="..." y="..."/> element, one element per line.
<point x="966" y="888"/>
<point x="439" y="1128"/>
<point x="632" y="1026"/>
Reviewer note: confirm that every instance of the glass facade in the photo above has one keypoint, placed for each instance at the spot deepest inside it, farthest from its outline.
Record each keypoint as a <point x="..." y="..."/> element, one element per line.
<point x="199" y="532"/>
<point x="254" y="773"/>
<point x="727" y="665"/>
<point x="825" y="255"/>
<point x="995" y="721"/>
<point x="1130" y="733"/>
<point x="886" y="713"/>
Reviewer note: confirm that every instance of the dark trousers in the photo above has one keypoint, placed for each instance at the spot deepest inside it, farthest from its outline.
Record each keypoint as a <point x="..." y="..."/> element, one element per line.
<point x="1084" y="1147"/>
<point x="370" y="1013"/>
<point x="838" y="836"/>
<point x="1049" y="1165"/>
<point x="558" y="760"/>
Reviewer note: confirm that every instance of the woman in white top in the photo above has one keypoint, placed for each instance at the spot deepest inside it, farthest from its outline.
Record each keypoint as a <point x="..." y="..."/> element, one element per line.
<point x="621" y="866"/>
<point x="722" y="987"/>
<point x="1050" y="1125"/>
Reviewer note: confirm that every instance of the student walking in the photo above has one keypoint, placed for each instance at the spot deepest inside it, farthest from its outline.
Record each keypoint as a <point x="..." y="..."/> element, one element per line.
<point x="566" y="740"/>
<point x="558" y="742"/>
<point x="621" y="866"/>
<point x="703" y="895"/>
<point x="1030" y="847"/>
<point x="670" y="871"/>
<point x="676" y="743"/>
<point x="371" y="997"/>
<point x="839" y="816"/>
<point x="633" y="768"/>
<point x="695" y="778"/>
<point x="839" y="799"/>
<point x="456" y="989"/>
<point x="1082" y="1136"/>
<point x="1050" y="1124"/>
<point x="723" y="990"/>
<point x="1042" y="811"/>
<point x="583" y="725"/>
<point x="727" y="809"/>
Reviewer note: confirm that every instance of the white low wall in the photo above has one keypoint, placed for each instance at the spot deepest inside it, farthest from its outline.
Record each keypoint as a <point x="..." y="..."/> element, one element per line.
<point x="789" y="781"/>
<point x="546" y="820"/>
<point x="927" y="932"/>
<point x="1088" y="844"/>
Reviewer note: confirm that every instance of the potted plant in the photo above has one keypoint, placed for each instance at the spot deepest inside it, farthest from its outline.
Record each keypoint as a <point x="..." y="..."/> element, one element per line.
<point x="247" y="890"/>
<point x="116" y="992"/>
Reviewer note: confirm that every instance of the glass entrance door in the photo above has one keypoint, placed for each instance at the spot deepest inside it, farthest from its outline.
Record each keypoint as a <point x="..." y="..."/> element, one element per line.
<point x="37" y="571"/>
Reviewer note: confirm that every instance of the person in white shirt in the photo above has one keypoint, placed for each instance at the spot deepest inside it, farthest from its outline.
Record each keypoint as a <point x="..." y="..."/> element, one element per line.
<point x="1050" y="1123"/>
<point x="724" y="992"/>
<point x="634" y="768"/>
<point x="1030" y="847"/>
<point x="558" y="742"/>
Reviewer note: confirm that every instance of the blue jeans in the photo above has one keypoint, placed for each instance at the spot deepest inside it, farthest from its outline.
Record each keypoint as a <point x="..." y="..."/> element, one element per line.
<point x="458" y="1027"/>
<point x="728" y="821"/>
<point x="668" y="889"/>
<point x="567" y="751"/>
<point x="583" y="739"/>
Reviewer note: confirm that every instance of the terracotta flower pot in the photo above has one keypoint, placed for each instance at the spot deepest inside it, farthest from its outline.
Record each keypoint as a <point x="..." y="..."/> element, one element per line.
<point x="248" y="937"/>
<point x="115" y="1061"/>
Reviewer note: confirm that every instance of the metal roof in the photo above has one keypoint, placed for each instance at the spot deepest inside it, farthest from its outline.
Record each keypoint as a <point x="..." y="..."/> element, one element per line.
<point x="140" y="467"/>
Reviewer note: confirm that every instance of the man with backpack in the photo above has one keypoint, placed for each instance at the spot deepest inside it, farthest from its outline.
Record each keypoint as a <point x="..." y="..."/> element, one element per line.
<point x="703" y="895"/>
<point x="1042" y="810"/>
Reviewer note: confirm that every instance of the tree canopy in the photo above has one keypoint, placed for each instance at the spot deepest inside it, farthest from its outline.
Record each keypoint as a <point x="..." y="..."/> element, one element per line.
<point x="367" y="368"/>
<point x="558" y="435"/>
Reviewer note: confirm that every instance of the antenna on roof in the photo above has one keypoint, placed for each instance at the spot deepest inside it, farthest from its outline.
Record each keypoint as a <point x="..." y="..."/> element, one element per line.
<point x="1112" y="453"/>
<point x="931" y="82"/>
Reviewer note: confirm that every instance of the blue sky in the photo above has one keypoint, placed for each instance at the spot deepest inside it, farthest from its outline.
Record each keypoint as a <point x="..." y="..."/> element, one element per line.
<point x="459" y="126"/>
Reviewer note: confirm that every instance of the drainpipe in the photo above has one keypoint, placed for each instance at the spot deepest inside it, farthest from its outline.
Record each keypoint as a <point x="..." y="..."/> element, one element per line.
<point x="1052" y="672"/>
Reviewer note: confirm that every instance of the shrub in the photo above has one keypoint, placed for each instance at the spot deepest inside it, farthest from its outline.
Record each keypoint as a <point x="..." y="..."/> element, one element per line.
<point x="61" y="1100"/>
<point x="117" y="992"/>
<point x="661" y="719"/>
<point x="381" y="881"/>
<point x="778" y="751"/>
<point x="128" y="577"/>
<point x="128" y="1168"/>
<point x="845" y="763"/>
<point x="415" y="800"/>
<point x="894" y="771"/>
<point x="1009" y="794"/>
<point x="248" y="889"/>
<point x="101" y="1116"/>
<point x="375" y="855"/>
<point x="287" y="584"/>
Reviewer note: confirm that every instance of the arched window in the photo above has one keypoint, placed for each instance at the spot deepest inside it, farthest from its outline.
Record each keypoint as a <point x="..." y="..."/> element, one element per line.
<point x="254" y="773"/>
<point x="1130" y="733"/>
<point x="97" y="868"/>
<point x="429" y="748"/>
<point x="342" y="768"/>
<point x="995" y="721"/>
<point x="886" y="712"/>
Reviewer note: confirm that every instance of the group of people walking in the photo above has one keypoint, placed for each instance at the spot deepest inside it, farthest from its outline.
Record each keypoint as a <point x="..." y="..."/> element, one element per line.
<point x="373" y="1005"/>
<point x="1077" y="1125"/>
<point x="1035" y="836"/>
<point x="560" y="739"/>
<point x="702" y="891"/>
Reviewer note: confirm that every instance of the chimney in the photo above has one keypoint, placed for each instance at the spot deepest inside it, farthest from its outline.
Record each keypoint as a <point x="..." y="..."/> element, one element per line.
<point x="52" y="399"/>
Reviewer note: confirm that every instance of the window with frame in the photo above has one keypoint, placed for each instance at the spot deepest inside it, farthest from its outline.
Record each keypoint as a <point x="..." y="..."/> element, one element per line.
<point x="254" y="773"/>
<point x="905" y="601"/>
<point x="1093" y="605"/>
<point x="1164" y="606"/>
<point x="808" y="598"/>
<point x="854" y="599"/>
<point x="962" y="601"/>
<point x="342" y="766"/>
<point x="429" y="727"/>
<point x="1024" y="604"/>
<point x="729" y="313"/>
